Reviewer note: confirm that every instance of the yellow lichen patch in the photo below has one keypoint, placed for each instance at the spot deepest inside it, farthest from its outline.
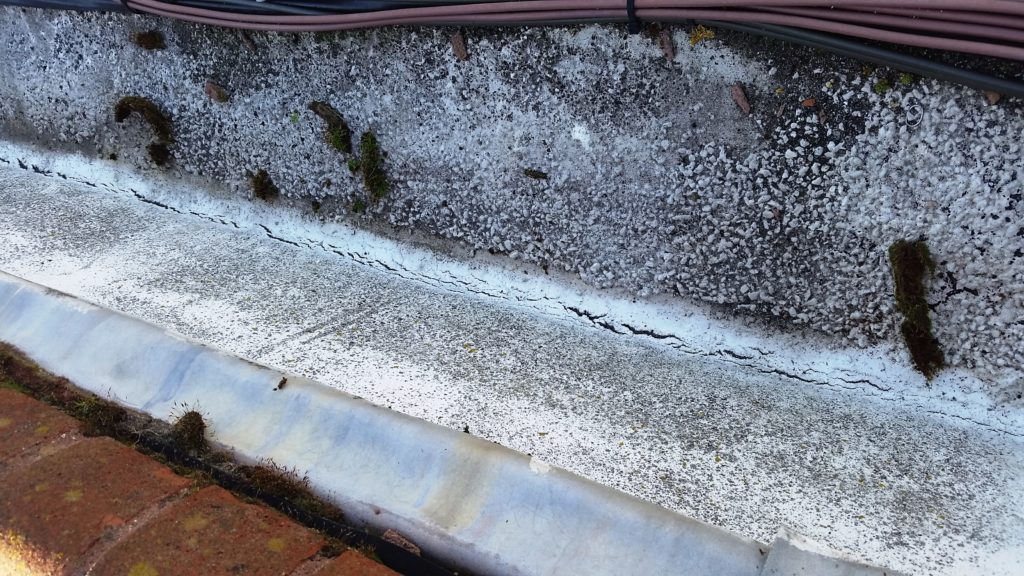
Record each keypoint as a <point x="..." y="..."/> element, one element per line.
<point x="195" y="522"/>
<point x="5" y="422"/>
<point x="275" y="544"/>
<point x="42" y="430"/>
<point x="700" y="34"/>
<point x="142" y="569"/>
<point x="72" y="495"/>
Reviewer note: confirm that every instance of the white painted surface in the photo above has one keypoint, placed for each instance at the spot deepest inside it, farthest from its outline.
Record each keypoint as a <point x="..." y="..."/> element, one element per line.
<point x="784" y="214"/>
<point x="905" y="477"/>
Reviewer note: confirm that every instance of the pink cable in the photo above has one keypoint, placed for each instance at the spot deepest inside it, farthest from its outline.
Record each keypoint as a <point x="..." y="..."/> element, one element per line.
<point x="421" y="15"/>
<point x="280" y="24"/>
<point x="891" y="21"/>
<point x="526" y="11"/>
<point x="957" y="16"/>
<point x="545" y="5"/>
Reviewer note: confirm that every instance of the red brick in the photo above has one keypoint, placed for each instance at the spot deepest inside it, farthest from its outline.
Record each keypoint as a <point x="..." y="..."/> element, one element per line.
<point x="26" y="423"/>
<point x="60" y="505"/>
<point x="212" y="532"/>
<point x="352" y="563"/>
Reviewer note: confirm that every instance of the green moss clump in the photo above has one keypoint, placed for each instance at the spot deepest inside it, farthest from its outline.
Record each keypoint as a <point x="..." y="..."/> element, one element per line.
<point x="535" y="174"/>
<point x="911" y="264"/>
<point x="906" y="79"/>
<point x="99" y="416"/>
<point x="263" y="187"/>
<point x="189" y="432"/>
<point x="151" y="40"/>
<point x="338" y="140"/>
<point x="145" y="107"/>
<point x="882" y="86"/>
<point x="359" y="206"/>
<point x="7" y="384"/>
<point x="353" y="165"/>
<point x="371" y="162"/>
<point x="337" y="134"/>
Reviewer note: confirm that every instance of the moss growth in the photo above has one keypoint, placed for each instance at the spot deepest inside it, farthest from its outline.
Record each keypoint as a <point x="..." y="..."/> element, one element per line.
<point x="337" y="133"/>
<point x="99" y="416"/>
<point x="189" y="432"/>
<point x="911" y="264"/>
<point x="906" y="79"/>
<point x="263" y="187"/>
<point x="371" y="163"/>
<point x="332" y="548"/>
<point x="882" y="86"/>
<point x="269" y="479"/>
<point x="338" y="140"/>
<point x="159" y="153"/>
<point x="151" y="40"/>
<point x="353" y="165"/>
<point x="370" y="552"/>
<point x="8" y="384"/>
<point x="149" y="111"/>
<point x="359" y="206"/>
<point x="535" y="174"/>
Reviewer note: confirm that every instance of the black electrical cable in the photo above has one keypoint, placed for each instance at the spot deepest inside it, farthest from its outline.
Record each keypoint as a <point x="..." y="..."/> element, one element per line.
<point x="878" y="55"/>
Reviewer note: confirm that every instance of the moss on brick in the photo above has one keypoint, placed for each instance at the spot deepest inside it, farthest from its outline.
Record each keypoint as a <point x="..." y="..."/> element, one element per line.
<point x="911" y="265"/>
<point x="271" y="480"/>
<point x="100" y="417"/>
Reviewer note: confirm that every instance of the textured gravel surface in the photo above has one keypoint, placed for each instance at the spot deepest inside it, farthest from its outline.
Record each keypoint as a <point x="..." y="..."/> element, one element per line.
<point x="656" y="182"/>
<point x="886" y="476"/>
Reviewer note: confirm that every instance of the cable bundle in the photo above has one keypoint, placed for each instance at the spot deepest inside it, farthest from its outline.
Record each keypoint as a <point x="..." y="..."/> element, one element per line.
<point x="985" y="27"/>
<point x="992" y="28"/>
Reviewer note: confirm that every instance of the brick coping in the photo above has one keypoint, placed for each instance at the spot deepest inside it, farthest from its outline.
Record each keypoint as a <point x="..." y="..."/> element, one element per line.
<point x="80" y="504"/>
